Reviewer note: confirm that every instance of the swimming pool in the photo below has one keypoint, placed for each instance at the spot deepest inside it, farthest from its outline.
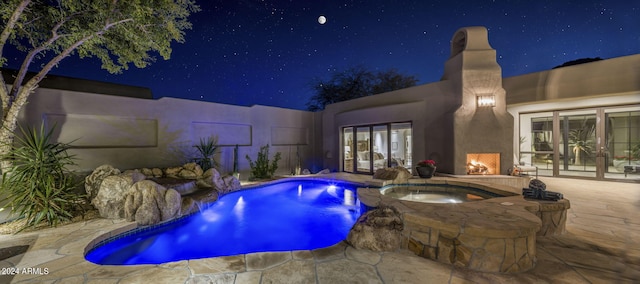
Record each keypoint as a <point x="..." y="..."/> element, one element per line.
<point x="437" y="193"/>
<point x="282" y="216"/>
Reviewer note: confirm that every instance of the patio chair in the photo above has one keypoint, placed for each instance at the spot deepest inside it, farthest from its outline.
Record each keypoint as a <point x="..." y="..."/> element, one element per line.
<point x="521" y="167"/>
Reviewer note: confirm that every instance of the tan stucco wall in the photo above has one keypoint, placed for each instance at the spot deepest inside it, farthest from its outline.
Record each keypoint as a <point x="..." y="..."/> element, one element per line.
<point x="132" y="133"/>
<point x="428" y="107"/>
<point x="606" y="78"/>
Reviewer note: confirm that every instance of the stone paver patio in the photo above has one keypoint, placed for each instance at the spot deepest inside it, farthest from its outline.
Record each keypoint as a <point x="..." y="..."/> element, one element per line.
<point x="602" y="245"/>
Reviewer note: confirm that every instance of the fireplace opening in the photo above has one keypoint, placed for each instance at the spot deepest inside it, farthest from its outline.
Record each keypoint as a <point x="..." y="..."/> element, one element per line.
<point x="483" y="163"/>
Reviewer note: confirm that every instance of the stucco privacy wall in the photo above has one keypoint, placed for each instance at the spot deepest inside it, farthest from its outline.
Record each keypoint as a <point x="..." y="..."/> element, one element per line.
<point x="132" y="133"/>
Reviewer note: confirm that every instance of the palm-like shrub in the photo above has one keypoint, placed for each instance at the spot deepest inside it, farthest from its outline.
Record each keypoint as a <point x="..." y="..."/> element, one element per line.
<point x="635" y="151"/>
<point x="580" y="143"/>
<point x="207" y="148"/>
<point x="38" y="186"/>
<point x="262" y="168"/>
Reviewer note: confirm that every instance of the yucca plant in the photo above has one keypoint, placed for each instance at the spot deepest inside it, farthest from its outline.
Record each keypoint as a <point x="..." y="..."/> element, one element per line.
<point x="207" y="148"/>
<point x="38" y="186"/>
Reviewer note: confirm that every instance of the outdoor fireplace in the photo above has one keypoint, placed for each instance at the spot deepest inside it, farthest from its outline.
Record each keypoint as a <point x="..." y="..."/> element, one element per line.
<point x="483" y="163"/>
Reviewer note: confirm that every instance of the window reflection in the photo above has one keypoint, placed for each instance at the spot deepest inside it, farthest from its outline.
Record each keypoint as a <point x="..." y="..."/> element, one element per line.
<point x="363" y="156"/>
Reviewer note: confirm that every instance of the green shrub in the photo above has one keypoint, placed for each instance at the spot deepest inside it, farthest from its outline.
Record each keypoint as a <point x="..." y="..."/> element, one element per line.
<point x="207" y="148"/>
<point x="38" y="186"/>
<point x="262" y="168"/>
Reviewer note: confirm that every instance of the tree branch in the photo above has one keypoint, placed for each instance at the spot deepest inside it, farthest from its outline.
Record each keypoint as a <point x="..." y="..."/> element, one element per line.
<point x="17" y="84"/>
<point x="4" y="36"/>
<point x="29" y="86"/>
<point x="11" y="23"/>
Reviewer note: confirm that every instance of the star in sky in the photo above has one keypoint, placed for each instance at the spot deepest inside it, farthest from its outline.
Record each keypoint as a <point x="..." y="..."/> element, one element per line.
<point x="268" y="52"/>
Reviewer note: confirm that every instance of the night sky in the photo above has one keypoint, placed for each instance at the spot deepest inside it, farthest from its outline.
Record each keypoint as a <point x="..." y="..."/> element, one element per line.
<point x="250" y="52"/>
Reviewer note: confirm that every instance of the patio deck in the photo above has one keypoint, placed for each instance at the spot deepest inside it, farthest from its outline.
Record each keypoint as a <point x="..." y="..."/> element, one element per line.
<point x="602" y="245"/>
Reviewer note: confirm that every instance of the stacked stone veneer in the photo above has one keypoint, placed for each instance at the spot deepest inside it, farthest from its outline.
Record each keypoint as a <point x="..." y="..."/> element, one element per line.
<point x="553" y="215"/>
<point x="493" y="235"/>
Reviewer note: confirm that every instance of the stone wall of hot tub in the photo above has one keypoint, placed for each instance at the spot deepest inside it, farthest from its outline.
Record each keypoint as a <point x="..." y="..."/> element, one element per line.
<point x="493" y="235"/>
<point x="553" y="215"/>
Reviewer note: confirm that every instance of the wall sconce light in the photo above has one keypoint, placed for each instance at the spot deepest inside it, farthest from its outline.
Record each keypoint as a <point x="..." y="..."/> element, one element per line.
<point x="486" y="100"/>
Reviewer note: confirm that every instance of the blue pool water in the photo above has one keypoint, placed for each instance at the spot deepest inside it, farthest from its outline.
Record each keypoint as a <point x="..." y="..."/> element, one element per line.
<point x="285" y="216"/>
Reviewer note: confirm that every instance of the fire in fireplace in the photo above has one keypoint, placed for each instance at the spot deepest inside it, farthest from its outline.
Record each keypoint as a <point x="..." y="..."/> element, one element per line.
<point x="483" y="163"/>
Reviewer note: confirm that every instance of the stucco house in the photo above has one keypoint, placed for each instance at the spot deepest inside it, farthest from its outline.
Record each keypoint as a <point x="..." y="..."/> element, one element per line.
<point x="472" y="121"/>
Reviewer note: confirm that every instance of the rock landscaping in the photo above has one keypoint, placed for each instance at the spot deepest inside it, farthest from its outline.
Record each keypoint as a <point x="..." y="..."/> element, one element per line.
<point x="492" y="235"/>
<point x="150" y="196"/>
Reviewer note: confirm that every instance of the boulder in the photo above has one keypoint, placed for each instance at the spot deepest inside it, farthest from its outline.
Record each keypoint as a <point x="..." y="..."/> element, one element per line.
<point x="398" y="175"/>
<point x="195" y="168"/>
<point x="92" y="182"/>
<point x="212" y="178"/>
<point x="324" y="172"/>
<point x="113" y="192"/>
<point x="147" y="172"/>
<point x="172" y="171"/>
<point x="156" y="172"/>
<point x="231" y="184"/>
<point x="149" y="203"/>
<point x="189" y="205"/>
<point x="377" y="230"/>
<point x="306" y="172"/>
<point x="187" y="174"/>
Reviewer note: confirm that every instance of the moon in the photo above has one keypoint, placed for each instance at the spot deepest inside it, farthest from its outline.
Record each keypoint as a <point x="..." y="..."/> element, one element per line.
<point x="322" y="20"/>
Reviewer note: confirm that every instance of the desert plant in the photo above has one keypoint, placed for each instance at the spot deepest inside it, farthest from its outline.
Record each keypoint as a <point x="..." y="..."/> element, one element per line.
<point x="580" y="143"/>
<point x="236" y="171"/>
<point x="635" y="151"/>
<point x="207" y="148"/>
<point x="38" y="186"/>
<point x="263" y="168"/>
<point x="298" y="167"/>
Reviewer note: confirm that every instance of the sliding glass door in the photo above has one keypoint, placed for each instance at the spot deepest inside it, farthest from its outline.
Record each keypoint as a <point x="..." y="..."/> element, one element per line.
<point x="623" y="143"/>
<point x="348" y="153"/>
<point x="578" y="143"/>
<point x="371" y="147"/>
<point x="537" y="143"/>
<point x="380" y="147"/>
<point x="600" y="143"/>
